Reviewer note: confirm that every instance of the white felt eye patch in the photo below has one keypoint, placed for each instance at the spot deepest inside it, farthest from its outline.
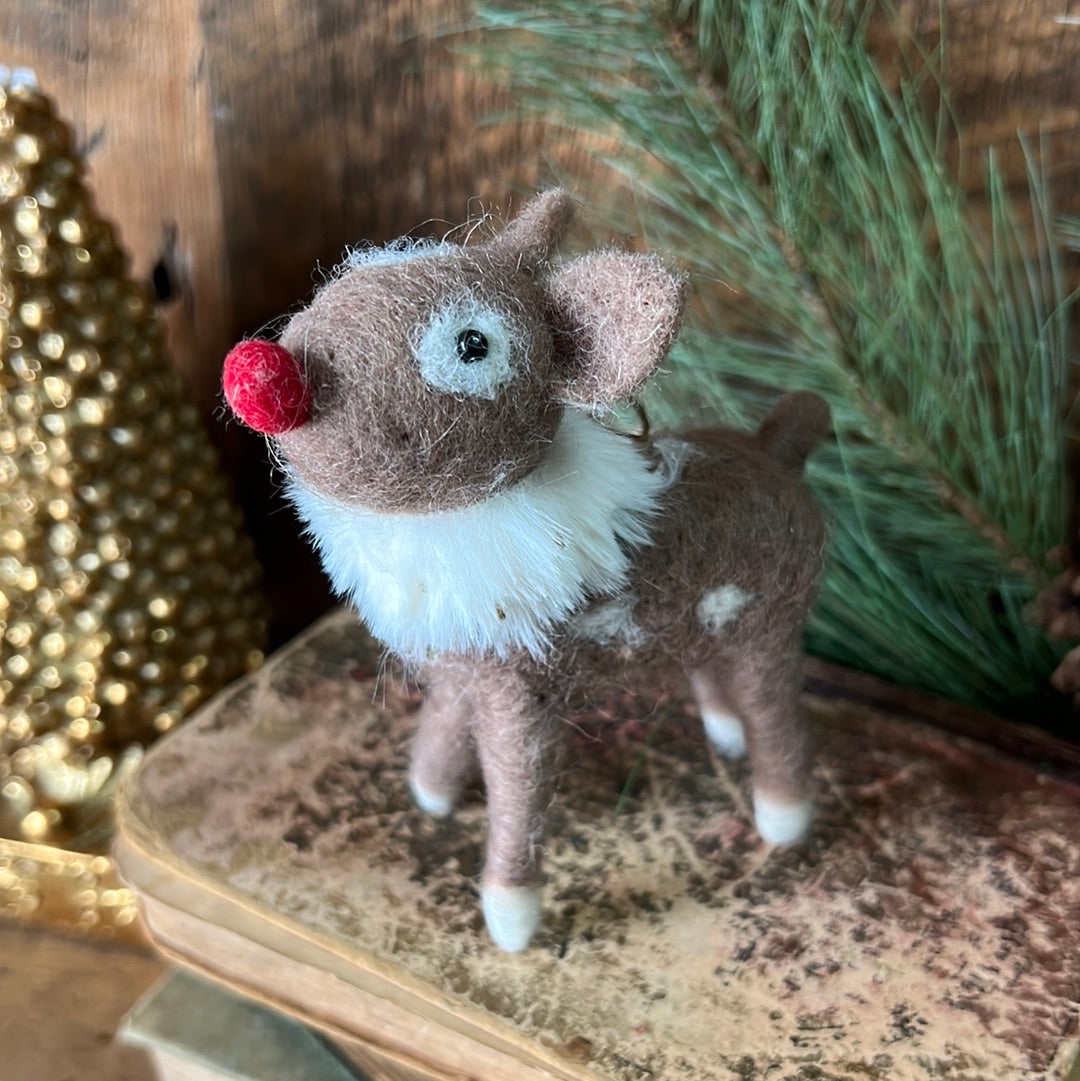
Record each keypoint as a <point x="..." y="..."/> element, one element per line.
<point x="466" y="349"/>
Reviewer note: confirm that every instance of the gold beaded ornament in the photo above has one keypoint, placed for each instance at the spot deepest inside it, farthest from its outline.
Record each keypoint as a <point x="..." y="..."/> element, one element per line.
<point x="128" y="588"/>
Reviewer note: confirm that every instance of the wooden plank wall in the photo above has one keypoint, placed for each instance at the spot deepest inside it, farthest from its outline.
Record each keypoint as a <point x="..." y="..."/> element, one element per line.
<point x="1013" y="66"/>
<point x="131" y="79"/>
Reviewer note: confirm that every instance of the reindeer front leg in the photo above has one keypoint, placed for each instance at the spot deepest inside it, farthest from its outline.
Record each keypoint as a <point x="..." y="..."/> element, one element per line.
<point x="443" y="754"/>
<point x="516" y="735"/>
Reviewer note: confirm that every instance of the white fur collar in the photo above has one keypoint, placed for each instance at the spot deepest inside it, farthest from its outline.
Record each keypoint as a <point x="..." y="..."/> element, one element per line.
<point x="501" y="575"/>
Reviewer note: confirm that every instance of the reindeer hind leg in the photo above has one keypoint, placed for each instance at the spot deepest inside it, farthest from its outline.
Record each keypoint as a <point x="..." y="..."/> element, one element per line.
<point x="767" y="696"/>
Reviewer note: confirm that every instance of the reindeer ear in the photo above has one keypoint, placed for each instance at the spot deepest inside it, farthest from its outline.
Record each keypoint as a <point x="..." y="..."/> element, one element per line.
<point x="614" y="316"/>
<point x="532" y="236"/>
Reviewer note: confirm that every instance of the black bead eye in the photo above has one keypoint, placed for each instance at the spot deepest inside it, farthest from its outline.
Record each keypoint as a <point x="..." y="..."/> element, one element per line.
<point x="471" y="346"/>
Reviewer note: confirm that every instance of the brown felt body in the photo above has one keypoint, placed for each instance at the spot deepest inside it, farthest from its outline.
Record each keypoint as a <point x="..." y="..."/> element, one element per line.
<point x="737" y="517"/>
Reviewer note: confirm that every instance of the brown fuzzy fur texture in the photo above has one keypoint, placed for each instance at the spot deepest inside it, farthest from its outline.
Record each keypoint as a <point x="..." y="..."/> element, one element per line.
<point x="720" y="593"/>
<point x="374" y="439"/>
<point x="739" y="516"/>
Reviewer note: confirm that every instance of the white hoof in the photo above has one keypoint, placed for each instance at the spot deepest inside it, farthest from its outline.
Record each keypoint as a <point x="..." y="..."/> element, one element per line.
<point x="433" y="803"/>
<point x="725" y="733"/>
<point x="512" y="914"/>
<point x="782" y="823"/>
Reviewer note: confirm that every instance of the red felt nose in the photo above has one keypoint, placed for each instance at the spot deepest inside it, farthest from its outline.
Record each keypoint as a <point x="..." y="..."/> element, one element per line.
<point x="264" y="383"/>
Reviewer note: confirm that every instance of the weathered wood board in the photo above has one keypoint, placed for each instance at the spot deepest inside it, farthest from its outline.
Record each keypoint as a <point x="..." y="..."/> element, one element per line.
<point x="930" y="928"/>
<point x="130" y="80"/>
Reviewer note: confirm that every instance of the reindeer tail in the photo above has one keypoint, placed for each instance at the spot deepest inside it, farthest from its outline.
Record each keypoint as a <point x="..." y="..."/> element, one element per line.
<point x="794" y="428"/>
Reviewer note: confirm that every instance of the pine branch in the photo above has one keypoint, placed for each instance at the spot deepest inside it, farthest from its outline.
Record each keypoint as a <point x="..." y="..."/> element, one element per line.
<point x="833" y="252"/>
<point x="888" y="428"/>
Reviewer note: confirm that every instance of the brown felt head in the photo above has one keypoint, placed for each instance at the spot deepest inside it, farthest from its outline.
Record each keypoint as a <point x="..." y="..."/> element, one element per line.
<point x="438" y="373"/>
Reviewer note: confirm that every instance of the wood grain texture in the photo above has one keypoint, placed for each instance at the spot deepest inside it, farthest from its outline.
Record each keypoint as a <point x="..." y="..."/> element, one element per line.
<point x="131" y="80"/>
<point x="61" y="1000"/>
<point x="930" y="928"/>
<point x="338" y="123"/>
<point x="1012" y="77"/>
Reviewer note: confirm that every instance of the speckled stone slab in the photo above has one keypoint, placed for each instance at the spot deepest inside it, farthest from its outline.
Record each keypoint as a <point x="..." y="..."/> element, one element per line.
<point x="930" y="928"/>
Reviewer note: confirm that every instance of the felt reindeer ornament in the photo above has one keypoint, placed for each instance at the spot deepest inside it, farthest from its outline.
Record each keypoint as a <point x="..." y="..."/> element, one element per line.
<point x="432" y="407"/>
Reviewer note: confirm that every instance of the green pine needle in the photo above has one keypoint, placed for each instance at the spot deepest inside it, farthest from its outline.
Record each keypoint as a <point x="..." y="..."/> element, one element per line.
<point x="832" y="251"/>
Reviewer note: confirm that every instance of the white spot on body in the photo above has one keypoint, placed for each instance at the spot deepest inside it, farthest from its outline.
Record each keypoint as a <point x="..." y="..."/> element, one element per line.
<point x="725" y="733"/>
<point x="610" y="622"/>
<point x="720" y="606"/>
<point x="781" y="822"/>
<point x="512" y="915"/>
<point x="674" y="453"/>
